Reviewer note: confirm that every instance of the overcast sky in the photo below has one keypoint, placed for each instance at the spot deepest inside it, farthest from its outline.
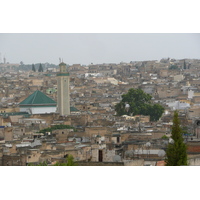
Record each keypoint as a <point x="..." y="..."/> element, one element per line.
<point x="83" y="48"/>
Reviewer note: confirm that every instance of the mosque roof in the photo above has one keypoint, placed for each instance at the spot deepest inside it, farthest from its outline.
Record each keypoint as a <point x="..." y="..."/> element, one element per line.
<point x="37" y="98"/>
<point x="40" y="99"/>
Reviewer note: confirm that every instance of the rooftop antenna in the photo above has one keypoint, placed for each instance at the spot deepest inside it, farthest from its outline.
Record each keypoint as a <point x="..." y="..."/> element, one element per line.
<point x="59" y="60"/>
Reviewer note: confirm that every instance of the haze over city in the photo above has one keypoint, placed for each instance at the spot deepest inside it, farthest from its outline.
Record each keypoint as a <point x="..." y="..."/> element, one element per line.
<point x="87" y="48"/>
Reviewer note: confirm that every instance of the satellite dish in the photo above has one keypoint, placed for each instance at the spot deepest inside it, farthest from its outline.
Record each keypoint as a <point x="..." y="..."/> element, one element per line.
<point x="148" y="144"/>
<point x="171" y="141"/>
<point x="127" y="105"/>
<point x="116" y="158"/>
<point x="161" y="153"/>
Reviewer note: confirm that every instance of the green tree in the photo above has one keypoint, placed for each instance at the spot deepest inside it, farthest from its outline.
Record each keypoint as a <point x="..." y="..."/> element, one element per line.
<point x="40" y="68"/>
<point x="69" y="162"/>
<point x="176" y="153"/>
<point x="155" y="112"/>
<point x="173" y="67"/>
<point x="139" y="104"/>
<point x="184" y="65"/>
<point x="33" y="67"/>
<point x="164" y="137"/>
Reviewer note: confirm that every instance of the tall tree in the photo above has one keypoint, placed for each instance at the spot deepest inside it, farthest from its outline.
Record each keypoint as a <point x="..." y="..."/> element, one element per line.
<point x="139" y="103"/>
<point x="40" y="68"/>
<point x="33" y="67"/>
<point x="184" y="65"/>
<point x="176" y="153"/>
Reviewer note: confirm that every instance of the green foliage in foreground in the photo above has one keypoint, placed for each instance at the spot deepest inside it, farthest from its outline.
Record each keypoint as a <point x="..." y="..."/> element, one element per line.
<point x="69" y="162"/>
<point x="140" y="104"/>
<point x="55" y="127"/>
<point x="176" y="154"/>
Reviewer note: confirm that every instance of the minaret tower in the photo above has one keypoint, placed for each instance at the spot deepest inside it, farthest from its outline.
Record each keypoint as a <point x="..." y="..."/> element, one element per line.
<point x="63" y="96"/>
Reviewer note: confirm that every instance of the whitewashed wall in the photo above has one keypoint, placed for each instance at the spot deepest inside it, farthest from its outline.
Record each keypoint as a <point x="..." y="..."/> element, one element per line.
<point x="38" y="110"/>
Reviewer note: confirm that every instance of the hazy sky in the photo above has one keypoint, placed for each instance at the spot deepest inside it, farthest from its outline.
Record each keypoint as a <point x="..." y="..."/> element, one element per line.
<point x="86" y="48"/>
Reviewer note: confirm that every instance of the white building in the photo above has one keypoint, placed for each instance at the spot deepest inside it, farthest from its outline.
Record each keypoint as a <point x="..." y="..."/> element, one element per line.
<point x="38" y="103"/>
<point x="177" y="105"/>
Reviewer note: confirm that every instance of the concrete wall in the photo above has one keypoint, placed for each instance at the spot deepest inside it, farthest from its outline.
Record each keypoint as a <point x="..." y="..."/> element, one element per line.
<point x="34" y="156"/>
<point x="14" y="160"/>
<point x="98" y="130"/>
<point x="150" y="163"/>
<point x="138" y="162"/>
<point x="194" y="161"/>
<point x="18" y="131"/>
<point x="107" y="155"/>
<point x="163" y="73"/>
<point x="178" y="78"/>
<point x="114" y="139"/>
<point x="8" y="110"/>
<point x="8" y="134"/>
<point x="37" y="82"/>
<point x="62" y="134"/>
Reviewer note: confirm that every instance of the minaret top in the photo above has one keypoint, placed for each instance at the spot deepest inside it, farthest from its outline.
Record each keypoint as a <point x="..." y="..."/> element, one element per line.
<point x="63" y="70"/>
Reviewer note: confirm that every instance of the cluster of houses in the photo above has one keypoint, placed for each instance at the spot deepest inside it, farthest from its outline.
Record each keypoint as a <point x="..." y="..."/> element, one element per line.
<point x="28" y="104"/>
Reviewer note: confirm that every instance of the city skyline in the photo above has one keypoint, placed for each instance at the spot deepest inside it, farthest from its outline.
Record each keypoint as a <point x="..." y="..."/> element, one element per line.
<point x="96" y="48"/>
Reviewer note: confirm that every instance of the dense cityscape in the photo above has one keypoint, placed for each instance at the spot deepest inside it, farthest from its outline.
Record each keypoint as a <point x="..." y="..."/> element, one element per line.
<point x="51" y="113"/>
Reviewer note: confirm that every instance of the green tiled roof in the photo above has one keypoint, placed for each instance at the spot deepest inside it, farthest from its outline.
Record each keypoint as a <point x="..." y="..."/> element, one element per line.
<point x="63" y="74"/>
<point x="38" y="98"/>
<point x="6" y="115"/>
<point x="73" y="109"/>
